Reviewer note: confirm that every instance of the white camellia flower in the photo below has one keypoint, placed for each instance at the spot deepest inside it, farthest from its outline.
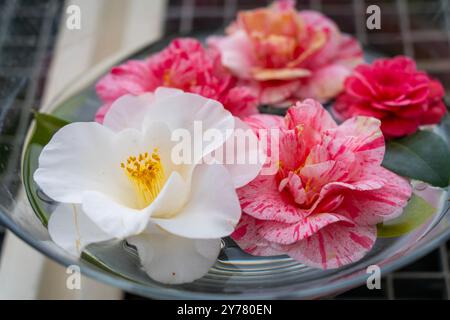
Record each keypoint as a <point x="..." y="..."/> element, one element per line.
<point x="118" y="181"/>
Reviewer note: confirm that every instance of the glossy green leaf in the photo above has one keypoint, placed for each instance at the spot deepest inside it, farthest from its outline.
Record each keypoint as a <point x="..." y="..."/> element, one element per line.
<point x="46" y="126"/>
<point x="422" y="156"/>
<point x="92" y="259"/>
<point x="446" y="126"/>
<point x="416" y="213"/>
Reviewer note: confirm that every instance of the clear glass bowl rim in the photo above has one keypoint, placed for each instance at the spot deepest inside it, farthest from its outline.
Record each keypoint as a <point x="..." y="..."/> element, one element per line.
<point x="163" y="293"/>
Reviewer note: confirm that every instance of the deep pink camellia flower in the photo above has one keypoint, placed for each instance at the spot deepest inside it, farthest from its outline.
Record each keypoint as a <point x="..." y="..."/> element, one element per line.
<point x="184" y="65"/>
<point x="394" y="91"/>
<point x="322" y="205"/>
<point x="288" y="54"/>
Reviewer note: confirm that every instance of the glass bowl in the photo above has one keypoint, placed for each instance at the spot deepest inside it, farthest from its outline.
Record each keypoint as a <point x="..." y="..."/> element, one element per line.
<point x="236" y="275"/>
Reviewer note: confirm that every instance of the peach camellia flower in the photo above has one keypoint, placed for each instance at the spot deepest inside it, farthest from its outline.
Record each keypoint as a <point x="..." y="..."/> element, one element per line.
<point x="119" y="180"/>
<point x="287" y="54"/>
<point x="184" y="65"/>
<point x="322" y="206"/>
<point x="394" y="91"/>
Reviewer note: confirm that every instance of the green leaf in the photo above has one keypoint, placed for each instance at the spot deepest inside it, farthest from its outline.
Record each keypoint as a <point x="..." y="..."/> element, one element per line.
<point x="46" y="126"/>
<point x="446" y="125"/>
<point x="422" y="156"/>
<point x="416" y="213"/>
<point x="92" y="259"/>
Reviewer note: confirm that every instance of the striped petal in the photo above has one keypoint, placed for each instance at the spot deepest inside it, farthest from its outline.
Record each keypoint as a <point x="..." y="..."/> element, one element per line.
<point x="334" y="246"/>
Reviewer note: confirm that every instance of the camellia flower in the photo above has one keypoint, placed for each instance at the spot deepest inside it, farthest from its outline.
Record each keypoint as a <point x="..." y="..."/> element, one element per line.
<point x="119" y="181"/>
<point x="395" y="92"/>
<point x="322" y="206"/>
<point x="288" y="55"/>
<point x="184" y="65"/>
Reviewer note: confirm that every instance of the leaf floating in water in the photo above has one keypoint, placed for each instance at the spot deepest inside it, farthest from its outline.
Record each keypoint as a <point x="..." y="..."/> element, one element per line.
<point x="46" y="126"/>
<point x="416" y="213"/>
<point x="423" y="156"/>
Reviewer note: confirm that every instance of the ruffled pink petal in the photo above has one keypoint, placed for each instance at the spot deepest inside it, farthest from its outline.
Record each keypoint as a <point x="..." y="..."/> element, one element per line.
<point x="262" y="200"/>
<point x="285" y="4"/>
<point x="249" y="239"/>
<point x="383" y="204"/>
<point x="435" y="113"/>
<point x="436" y="107"/>
<point x="401" y="63"/>
<point x="267" y="128"/>
<point x="358" y="136"/>
<point x="394" y="127"/>
<point x="346" y="107"/>
<point x="350" y="53"/>
<point x="417" y="95"/>
<point x="277" y="92"/>
<point x="236" y="52"/>
<point x="325" y="83"/>
<point x="412" y="112"/>
<point x="312" y="113"/>
<point x="334" y="246"/>
<point x="317" y="154"/>
<point x="321" y="23"/>
<point x="282" y="233"/>
<point x="241" y="102"/>
<point x="357" y="86"/>
<point x="133" y="77"/>
<point x="101" y="113"/>
<point x="291" y="150"/>
<point x="339" y="49"/>
<point x="265" y="121"/>
<point x="319" y="174"/>
<point x="293" y="183"/>
<point x="310" y="119"/>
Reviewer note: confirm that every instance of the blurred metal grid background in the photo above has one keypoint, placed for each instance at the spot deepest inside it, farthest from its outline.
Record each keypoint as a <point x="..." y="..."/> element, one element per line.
<point x="417" y="28"/>
<point x="28" y="30"/>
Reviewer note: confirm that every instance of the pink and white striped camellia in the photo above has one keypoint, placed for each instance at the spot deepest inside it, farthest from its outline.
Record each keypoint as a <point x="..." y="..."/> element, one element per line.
<point x="322" y="205"/>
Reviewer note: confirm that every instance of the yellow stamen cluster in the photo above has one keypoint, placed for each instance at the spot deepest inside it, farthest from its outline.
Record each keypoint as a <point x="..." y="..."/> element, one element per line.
<point x="146" y="173"/>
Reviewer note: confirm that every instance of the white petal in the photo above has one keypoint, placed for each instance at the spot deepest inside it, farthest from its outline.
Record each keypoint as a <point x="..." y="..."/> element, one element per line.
<point x="128" y="112"/>
<point x="188" y="111"/>
<point x="246" y="147"/>
<point x="112" y="217"/>
<point x="76" y="159"/>
<point x="83" y="157"/>
<point x="213" y="208"/>
<point x="72" y="230"/>
<point x="170" y="259"/>
<point x="166" y="92"/>
<point x="121" y="221"/>
<point x="172" y="197"/>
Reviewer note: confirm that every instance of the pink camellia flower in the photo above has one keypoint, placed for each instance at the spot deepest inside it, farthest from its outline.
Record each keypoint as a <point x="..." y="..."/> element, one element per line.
<point x="395" y="92"/>
<point x="184" y="65"/>
<point x="330" y="191"/>
<point x="288" y="55"/>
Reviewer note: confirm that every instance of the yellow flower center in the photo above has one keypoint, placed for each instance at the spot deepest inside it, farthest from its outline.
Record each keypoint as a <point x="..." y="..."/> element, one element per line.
<point x="146" y="173"/>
